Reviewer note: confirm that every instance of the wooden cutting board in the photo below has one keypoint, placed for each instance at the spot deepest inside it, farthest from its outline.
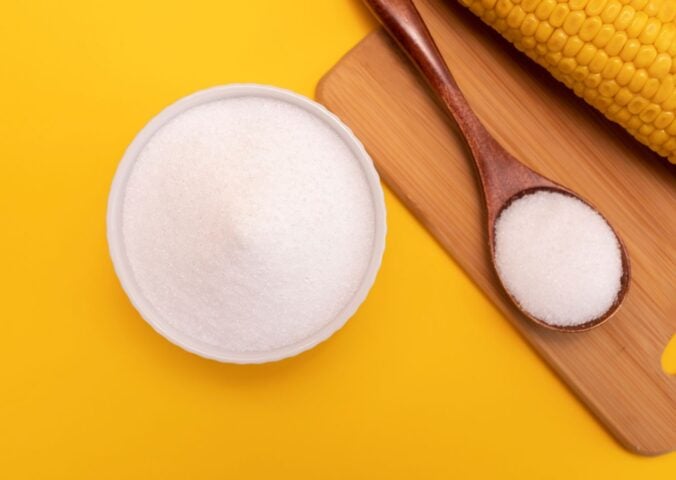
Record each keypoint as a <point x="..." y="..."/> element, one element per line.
<point x="615" y="369"/>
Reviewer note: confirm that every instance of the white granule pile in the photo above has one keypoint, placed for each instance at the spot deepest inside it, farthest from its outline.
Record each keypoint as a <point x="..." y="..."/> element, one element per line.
<point x="248" y="223"/>
<point x="558" y="258"/>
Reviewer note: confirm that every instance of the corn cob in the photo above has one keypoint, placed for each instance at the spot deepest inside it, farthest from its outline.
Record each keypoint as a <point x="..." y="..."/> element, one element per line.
<point x="619" y="55"/>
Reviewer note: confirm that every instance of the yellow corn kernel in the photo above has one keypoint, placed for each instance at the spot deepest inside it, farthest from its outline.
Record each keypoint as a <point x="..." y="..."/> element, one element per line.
<point x="666" y="37"/>
<point x="559" y="14"/>
<point x="664" y="119"/>
<point x="489" y="17"/>
<point x="602" y="103"/>
<point x="623" y="115"/>
<point x="557" y="40"/>
<point x="611" y="12"/>
<point x="503" y="7"/>
<point x="613" y="109"/>
<point x="528" y="43"/>
<point x="586" y="54"/>
<point x="541" y="50"/>
<point x="616" y="43"/>
<point x="665" y="89"/>
<point x="645" y="129"/>
<point x="529" y="5"/>
<point x="580" y="73"/>
<point x="650" y="88"/>
<point x="650" y="31"/>
<point x="595" y="7"/>
<point x="645" y="56"/>
<point x="667" y="11"/>
<point x="634" y="123"/>
<point x="590" y="94"/>
<point x="636" y="26"/>
<point x="649" y="113"/>
<point x="545" y="9"/>
<point x="598" y="62"/>
<point x="573" y="22"/>
<point x="543" y="32"/>
<point x="658" y="137"/>
<point x="578" y="88"/>
<point x="638" y="80"/>
<point x="590" y="28"/>
<point x="626" y="74"/>
<point x="624" y="18"/>
<point x="612" y="68"/>
<point x="477" y="9"/>
<point x="630" y="50"/>
<point x="623" y="97"/>
<point x="529" y="25"/>
<point x="488" y="4"/>
<point x="603" y="37"/>
<point x="567" y="65"/>
<point x="670" y="103"/>
<point x="637" y="4"/>
<point x="661" y="66"/>
<point x="553" y="58"/>
<point x="593" y="80"/>
<point x="578" y="4"/>
<point x="609" y="88"/>
<point x="671" y="129"/>
<point x="672" y="49"/>
<point x="515" y="17"/>
<point x="638" y="136"/>
<point x="670" y="144"/>
<point x="573" y="46"/>
<point x="637" y="104"/>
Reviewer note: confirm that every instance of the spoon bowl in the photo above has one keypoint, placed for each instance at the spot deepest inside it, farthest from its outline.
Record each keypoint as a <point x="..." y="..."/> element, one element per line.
<point x="504" y="179"/>
<point x="624" y="279"/>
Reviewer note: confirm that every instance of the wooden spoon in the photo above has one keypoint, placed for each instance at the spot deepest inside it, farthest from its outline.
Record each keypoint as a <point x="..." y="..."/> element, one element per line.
<point x="503" y="178"/>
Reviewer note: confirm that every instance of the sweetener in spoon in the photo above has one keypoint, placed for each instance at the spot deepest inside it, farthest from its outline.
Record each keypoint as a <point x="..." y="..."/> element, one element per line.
<point x="558" y="258"/>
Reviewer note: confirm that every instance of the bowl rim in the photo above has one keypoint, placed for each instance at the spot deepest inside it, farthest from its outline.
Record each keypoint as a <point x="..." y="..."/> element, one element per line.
<point x="124" y="271"/>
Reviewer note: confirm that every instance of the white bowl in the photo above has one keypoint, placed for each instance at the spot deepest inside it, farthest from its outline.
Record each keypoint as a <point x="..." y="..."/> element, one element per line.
<point x="123" y="268"/>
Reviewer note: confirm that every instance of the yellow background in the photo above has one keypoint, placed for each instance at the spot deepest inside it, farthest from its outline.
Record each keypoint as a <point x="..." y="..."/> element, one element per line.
<point x="426" y="381"/>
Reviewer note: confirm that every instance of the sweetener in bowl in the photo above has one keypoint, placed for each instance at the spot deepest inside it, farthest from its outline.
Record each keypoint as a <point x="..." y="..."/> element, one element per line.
<point x="251" y="224"/>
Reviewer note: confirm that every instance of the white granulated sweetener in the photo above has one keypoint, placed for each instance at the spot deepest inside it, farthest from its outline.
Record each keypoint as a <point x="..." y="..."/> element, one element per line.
<point x="248" y="223"/>
<point x="558" y="258"/>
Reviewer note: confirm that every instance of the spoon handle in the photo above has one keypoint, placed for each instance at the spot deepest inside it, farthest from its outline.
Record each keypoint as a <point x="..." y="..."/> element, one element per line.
<point x="500" y="173"/>
<point x="403" y="22"/>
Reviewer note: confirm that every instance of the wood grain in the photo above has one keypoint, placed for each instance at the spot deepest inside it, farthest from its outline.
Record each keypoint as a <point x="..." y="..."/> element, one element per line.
<point x="615" y="369"/>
